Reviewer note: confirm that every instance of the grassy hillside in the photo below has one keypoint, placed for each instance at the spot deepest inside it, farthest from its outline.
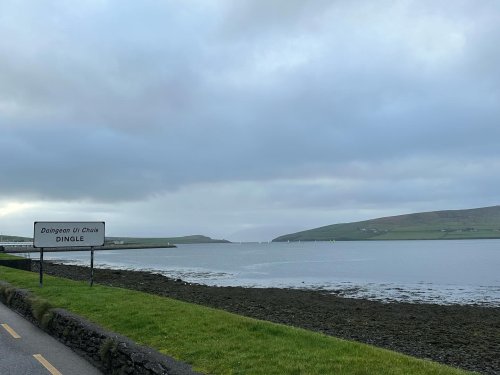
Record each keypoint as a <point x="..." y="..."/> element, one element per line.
<point x="5" y="238"/>
<point x="161" y="241"/>
<point x="451" y="224"/>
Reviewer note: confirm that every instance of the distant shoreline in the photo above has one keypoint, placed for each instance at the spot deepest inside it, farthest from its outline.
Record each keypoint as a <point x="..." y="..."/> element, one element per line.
<point x="390" y="239"/>
<point x="17" y="250"/>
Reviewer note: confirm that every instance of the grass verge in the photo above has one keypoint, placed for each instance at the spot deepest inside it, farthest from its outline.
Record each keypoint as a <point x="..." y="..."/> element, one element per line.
<point x="215" y="341"/>
<point x="9" y="257"/>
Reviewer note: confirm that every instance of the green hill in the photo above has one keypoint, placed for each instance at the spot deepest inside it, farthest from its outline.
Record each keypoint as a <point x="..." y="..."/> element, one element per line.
<point x="161" y="241"/>
<point x="164" y="240"/>
<point x="451" y="224"/>
<point x="5" y="238"/>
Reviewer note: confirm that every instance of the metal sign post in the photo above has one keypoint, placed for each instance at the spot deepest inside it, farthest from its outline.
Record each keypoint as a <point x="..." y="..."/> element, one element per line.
<point x="41" y="267"/>
<point x="92" y="266"/>
<point x="72" y="234"/>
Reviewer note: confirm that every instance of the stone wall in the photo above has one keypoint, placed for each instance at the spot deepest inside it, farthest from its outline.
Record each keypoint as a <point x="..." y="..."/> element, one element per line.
<point x="110" y="352"/>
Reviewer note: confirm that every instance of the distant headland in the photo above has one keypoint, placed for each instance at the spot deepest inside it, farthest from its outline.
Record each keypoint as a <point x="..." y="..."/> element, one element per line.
<point x="133" y="242"/>
<point x="476" y="223"/>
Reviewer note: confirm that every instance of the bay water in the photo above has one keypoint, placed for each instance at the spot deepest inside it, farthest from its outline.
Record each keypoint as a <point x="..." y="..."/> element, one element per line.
<point x="443" y="272"/>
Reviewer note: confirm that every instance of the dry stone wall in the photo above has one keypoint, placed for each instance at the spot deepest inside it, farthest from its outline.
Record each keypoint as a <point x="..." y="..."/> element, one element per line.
<point x="110" y="352"/>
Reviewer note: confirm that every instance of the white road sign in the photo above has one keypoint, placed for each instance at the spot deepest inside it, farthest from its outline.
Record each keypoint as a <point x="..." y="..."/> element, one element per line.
<point x="68" y="234"/>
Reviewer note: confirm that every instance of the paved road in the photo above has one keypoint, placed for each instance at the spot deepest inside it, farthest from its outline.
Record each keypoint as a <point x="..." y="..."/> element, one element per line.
<point x="27" y="350"/>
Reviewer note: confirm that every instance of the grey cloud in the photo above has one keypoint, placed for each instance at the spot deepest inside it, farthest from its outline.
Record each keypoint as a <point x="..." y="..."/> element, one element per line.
<point x="115" y="102"/>
<point x="252" y="18"/>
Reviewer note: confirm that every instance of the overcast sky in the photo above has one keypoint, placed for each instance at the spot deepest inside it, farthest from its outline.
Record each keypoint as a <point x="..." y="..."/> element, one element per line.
<point x="245" y="119"/>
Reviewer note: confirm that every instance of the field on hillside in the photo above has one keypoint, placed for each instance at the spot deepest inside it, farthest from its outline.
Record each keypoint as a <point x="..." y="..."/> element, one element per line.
<point x="438" y="225"/>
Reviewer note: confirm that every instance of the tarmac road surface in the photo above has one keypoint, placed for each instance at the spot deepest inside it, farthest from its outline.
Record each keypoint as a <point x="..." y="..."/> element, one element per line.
<point x="26" y="350"/>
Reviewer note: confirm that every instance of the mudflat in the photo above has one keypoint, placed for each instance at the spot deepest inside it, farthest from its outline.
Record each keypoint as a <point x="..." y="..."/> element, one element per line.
<point x="462" y="336"/>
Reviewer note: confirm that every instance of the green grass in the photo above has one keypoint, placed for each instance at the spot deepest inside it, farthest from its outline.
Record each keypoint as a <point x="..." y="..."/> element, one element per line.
<point x="438" y="225"/>
<point x="215" y="341"/>
<point x="9" y="257"/>
<point x="6" y="238"/>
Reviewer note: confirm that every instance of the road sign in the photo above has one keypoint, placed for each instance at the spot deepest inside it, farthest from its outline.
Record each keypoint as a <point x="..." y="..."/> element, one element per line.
<point x="68" y="234"/>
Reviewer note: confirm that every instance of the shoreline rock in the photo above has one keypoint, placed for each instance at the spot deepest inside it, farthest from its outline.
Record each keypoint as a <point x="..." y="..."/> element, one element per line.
<point x="462" y="336"/>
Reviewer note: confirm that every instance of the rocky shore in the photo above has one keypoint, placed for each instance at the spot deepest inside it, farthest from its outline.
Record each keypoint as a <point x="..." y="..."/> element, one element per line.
<point x="462" y="336"/>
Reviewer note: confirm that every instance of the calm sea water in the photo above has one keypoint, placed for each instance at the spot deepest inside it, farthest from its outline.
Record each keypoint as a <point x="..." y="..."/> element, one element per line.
<point x="465" y="272"/>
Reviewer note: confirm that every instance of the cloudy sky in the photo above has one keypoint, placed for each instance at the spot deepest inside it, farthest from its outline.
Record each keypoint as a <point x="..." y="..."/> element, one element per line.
<point x="245" y="119"/>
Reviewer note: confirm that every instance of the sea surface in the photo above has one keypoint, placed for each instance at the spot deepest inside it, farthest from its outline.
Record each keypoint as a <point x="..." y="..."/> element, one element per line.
<point x="443" y="272"/>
